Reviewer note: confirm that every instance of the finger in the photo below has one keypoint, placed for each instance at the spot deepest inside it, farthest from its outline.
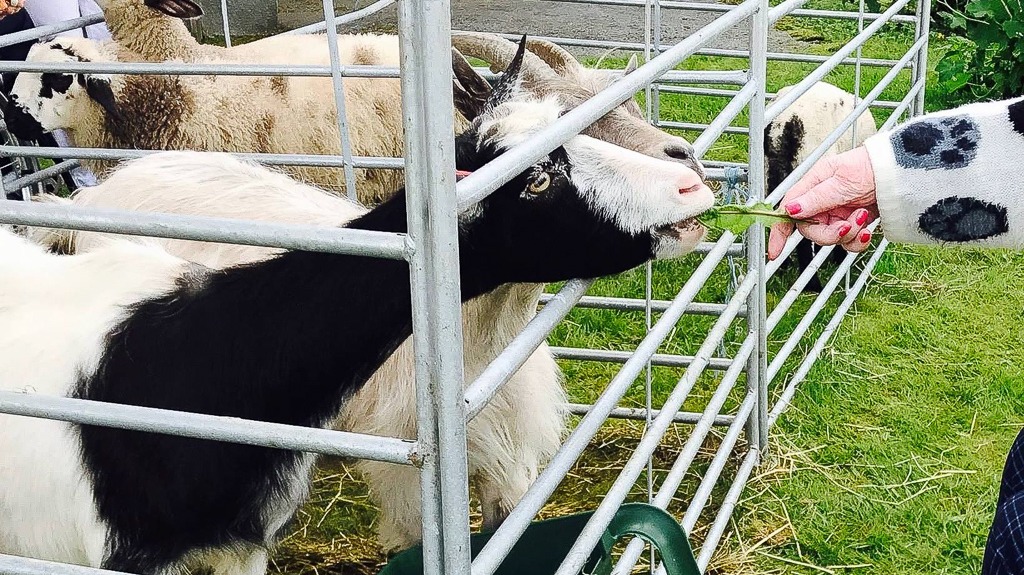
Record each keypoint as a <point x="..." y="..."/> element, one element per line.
<point x="857" y="220"/>
<point x="858" y="242"/>
<point x="777" y="239"/>
<point x="826" y="235"/>
<point x="827" y="195"/>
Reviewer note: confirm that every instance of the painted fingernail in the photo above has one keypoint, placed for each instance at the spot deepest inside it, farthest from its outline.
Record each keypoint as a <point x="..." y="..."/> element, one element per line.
<point x="793" y="208"/>
<point x="863" y="217"/>
<point x="865" y="236"/>
<point x="844" y="230"/>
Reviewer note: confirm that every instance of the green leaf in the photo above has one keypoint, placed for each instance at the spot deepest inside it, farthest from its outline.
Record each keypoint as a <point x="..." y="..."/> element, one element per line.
<point x="736" y="218"/>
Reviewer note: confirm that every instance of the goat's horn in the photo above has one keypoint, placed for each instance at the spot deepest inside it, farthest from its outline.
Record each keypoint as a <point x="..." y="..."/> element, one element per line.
<point x="499" y="52"/>
<point x="558" y="58"/>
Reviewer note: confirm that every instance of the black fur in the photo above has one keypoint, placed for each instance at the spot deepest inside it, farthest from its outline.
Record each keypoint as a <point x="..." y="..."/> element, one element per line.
<point x="287" y="340"/>
<point x="781" y="158"/>
<point x="184" y="9"/>
<point x="51" y="82"/>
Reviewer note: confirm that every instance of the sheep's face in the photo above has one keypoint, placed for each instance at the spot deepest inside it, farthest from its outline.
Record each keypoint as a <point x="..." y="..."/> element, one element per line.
<point x="589" y="209"/>
<point x="41" y="102"/>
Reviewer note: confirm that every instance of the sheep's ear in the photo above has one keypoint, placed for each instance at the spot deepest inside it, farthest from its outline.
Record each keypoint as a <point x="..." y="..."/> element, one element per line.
<point x="631" y="65"/>
<point x="99" y="90"/>
<point x="508" y="85"/>
<point x="471" y="90"/>
<point x="183" y="9"/>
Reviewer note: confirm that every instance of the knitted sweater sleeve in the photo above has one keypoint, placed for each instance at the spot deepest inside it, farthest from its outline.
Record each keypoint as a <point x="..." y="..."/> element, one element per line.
<point x="953" y="176"/>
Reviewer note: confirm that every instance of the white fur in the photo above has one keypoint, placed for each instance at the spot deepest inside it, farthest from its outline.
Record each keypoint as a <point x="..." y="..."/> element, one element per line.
<point x="821" y="109"/>
<point x="69" y="303"/>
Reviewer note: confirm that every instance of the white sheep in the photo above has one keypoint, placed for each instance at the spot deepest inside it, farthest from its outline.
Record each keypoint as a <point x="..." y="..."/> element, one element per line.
<point x="285" y="339"/>
<point x="798" y="130"/>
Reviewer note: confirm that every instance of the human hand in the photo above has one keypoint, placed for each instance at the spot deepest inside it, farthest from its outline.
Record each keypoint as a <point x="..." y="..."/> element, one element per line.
<point x="8" y="7"/>
<point x="836" y="198"/>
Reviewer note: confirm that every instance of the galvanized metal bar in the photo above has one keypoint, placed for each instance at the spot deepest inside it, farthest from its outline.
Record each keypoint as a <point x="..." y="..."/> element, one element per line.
<point x="659" y="359"/>
<point x="756" y="429"/>
<point x="13" y="565"/>
<point x="206" y="229"/>
<point x="515" y="354"/>
<point x="698" y="127"/>
<point x="40" y="32"/>
<point x="428" y="118"/>
<point x="797" y="288"/>
<point x="341" y="117"/>
<point x="629" y="304"/>
<point x="640" y="414"/>
<point x="674" y="478"/>
<point x="787" y="57"/>
<point x="707" y="7"/>
<point x="343" y="19"/>
<point x="197" y="69"/>
<point x="494" y="174"/>
<point x="732" y="497"/>
<point x="317" y="160"/>
<point x="780" y="104"/>
<point x="212" y="427"/>
<point x="227" y="26"/>
<point x="494" y="552"/>
<point x="812" y="356"/>
<point x="719" y="92"/>
<point x="714" y="471"/>
<point x="721" y="122"/>
<point x="631" y="470"/>
<point x="776" y="194"/>
<point x="905" y="105"/>
<point x="36" y="177"/>
<point x="921" y="30"/>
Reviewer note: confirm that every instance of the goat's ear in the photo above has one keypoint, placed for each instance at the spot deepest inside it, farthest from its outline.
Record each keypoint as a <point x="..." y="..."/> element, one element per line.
<point x="183" y="9"/>
<point x="508" y="85"/>
<point x="471" y="90"/>
<point x="99" y="90"/>
<point x="631" y="65"/>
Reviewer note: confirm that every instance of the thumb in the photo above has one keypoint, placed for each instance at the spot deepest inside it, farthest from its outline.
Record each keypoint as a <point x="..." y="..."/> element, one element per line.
<point x="777" y="239"/>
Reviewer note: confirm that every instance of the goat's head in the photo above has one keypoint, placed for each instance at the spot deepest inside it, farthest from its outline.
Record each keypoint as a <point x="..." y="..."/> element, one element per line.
<point x="183" y="9"/>
<point x="590" y="208"/>
<point x="550" y="70"/>
<point x="41" y="102"/>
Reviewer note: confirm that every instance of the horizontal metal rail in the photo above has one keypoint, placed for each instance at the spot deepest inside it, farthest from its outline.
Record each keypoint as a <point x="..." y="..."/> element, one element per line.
<point x="494" y="174"/>
<point x="903" y="107"/>
<point x="113" y="154"/>
<point x="723" y="119"/>
<point x="695" y="127"/>
<point x="812" y="356"/>
<point x="640" y="414"/>
<point x="801" y="170"/>
<point x="33" y="34"/>
<point x="207" y="229"/>
<point x="212" y="427"/>
<point x="631" y="304"/>
<point x="707" y="7"/>
<point x="12" y="565"/>
<point x="515" y="354"/>
<point x="43" y="174"/>
<point x="797" y="288"/>
<point x="732" y="498"/>
<point x="725" y="93"/>
<point x="780" y="104"/>
<point x="497" y="548"/>
<point x="658" y="359"/>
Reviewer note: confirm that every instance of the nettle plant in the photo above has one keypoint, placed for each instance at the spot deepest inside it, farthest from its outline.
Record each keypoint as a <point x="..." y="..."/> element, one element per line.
<point x="984" y="58"/>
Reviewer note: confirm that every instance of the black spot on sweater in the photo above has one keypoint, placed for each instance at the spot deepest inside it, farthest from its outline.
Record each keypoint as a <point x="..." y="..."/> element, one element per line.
<point x="946" y="143"/>
<point x="955" y="219"/>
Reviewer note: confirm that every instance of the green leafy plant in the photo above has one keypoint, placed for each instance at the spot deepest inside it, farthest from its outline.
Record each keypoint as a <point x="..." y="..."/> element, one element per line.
<point x="984" y="59"/>
<point x="736" y="218"/>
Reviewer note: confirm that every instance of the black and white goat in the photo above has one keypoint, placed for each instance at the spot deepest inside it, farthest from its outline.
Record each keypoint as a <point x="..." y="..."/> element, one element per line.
<point x="285" y="340"/>
<point x="797" y="131"/>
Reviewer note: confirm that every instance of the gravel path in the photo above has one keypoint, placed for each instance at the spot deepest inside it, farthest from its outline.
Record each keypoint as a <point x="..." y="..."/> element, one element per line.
<point x="548" y="18"/>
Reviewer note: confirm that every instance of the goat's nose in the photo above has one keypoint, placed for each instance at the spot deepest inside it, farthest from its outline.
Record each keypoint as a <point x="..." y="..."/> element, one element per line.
<point x="683" y="152"/>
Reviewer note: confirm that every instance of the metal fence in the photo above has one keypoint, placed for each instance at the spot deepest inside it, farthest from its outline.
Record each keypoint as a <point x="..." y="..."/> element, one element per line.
<point x="752" y="386"/>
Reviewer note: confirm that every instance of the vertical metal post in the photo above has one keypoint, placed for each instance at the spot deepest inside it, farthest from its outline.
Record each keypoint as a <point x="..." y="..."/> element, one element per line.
<point x="924" y="16"/>
<point x="339" y="99"/>
<point x="425" y="42"/>
<point x="757" y="366"/>
<point x="227" y="26"/>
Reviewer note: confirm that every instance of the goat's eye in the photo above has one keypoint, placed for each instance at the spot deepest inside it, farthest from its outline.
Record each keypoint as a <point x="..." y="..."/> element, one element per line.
<point x="540" y="184"/>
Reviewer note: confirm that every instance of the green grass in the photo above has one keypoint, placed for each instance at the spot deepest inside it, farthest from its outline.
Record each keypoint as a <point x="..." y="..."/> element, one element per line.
<point x="889" y="456"/>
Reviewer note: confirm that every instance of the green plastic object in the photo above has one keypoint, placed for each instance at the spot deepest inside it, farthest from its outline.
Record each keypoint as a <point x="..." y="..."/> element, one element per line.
<point x="545" y="544"/>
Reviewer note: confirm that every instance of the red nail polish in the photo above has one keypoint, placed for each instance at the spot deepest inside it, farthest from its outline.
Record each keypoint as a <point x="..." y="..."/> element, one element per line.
<point x="845" y="230"/>
<point x="793" y="208"/>
<point x="865" y="236"/>
<point x="863" y="217"/>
